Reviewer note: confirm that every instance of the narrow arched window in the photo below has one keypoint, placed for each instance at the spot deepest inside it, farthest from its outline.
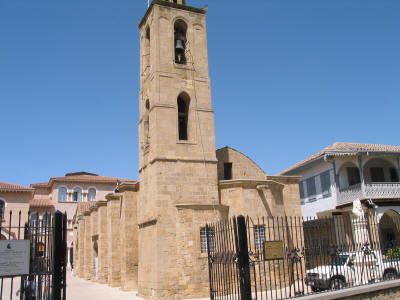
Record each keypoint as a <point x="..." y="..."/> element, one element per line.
<point x="62" y="194"/>
<point x="2" y="209"/>
<point x="147" y="48"/>
<point x="77" y="195"/>
<point x="147" y="122"/>
<point x="180" y="29"/>
<point x="92" y="194"/>
<point x="183" y="116"/>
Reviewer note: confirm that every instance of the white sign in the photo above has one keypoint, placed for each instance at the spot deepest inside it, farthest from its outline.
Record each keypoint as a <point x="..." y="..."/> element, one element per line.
<point x="14" y="257"/>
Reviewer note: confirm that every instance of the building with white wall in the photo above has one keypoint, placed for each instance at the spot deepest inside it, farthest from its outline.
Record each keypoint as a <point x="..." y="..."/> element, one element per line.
<point x="343" y="172"/>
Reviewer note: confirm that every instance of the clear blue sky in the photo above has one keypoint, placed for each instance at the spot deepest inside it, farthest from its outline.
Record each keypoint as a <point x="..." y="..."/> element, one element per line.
<point x="289" y="77"/>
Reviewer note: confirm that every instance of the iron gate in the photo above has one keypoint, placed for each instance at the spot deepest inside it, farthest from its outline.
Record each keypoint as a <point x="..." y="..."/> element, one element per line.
<point x="287" y="257"/>
<point x="47" y="238"/>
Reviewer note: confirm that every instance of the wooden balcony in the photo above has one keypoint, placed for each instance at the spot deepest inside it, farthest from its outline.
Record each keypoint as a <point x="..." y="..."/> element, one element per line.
<point x="371" y="190"/>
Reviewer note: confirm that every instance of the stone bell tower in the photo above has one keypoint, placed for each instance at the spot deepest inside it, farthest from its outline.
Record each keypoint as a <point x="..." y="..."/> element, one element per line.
<point x="178" y="165"/>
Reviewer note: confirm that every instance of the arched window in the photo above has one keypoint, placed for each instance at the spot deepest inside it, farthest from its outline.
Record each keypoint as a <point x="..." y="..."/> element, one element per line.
<point x="62" y="194"/>
<point x="147" y="122"/>
<point x="183" y="116"/>
<point x="92" y="194"/>
<point x="2" y="209"/>
<point x="180" y="29"/>
<point x="146" y="52"/>
<point x="77" y="195"/>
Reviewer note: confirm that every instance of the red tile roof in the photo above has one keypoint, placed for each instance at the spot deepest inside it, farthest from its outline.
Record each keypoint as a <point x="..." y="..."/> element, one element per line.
<point x="81" y="178"/>
<point x="37" y="203"/>
<point x="344" y="149"/>
<point x="40" y="184"/>
<point x="85" y="206"/>
<point x="9" y="187"/>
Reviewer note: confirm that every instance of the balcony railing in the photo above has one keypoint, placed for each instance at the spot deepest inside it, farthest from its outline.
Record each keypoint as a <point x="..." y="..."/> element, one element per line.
<point x="375" y="190"/>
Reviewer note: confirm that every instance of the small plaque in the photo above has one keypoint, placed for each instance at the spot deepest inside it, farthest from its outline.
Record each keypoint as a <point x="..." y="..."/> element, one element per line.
<point x="14" y="257"/>
<point x="273" y="250"/>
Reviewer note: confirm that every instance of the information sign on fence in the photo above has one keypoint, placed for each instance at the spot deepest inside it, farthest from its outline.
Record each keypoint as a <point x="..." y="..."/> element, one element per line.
<point x="273" y="250"/>
<point x="14" y="257"/>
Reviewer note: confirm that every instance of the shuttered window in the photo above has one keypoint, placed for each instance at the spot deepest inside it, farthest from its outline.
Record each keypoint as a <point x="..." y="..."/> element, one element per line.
<point x="311" y="191"/>
<point x="301" y="189"/>
<point x="325" y="182"/>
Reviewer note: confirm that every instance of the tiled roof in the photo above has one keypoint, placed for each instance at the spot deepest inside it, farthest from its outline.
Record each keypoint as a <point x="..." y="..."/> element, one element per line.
<point x="9" y="187"/>
<point x="344" y="149"/>
<point x="40" y="184"/>
<point x="40" y="203"/>
<point x="81" y="178"/>
<point x="89" y="178"/>
<point x="85" y="206"/>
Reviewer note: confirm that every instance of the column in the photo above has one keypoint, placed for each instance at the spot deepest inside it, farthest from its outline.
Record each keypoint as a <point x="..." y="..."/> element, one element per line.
<point x="81" y="246"/>
<point x="360" y="164"/>
<point x="114" y="232"/>
<point x="129" y="237"/>
<point x="103" y="242"/>
<point x="94" y="241"/>
<point x="88" y="246"/>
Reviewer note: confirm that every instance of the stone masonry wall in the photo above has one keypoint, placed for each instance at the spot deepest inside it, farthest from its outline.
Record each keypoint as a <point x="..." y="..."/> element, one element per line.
<point x="103" y="242"/>
<point x="114" y="248"/>
<point x="88" y="247"/>
<point x="81" y="246"/>
<point x="129" y="241"/>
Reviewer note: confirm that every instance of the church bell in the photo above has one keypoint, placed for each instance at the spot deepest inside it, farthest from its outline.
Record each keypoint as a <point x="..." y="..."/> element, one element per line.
<point x="179" y="45"/>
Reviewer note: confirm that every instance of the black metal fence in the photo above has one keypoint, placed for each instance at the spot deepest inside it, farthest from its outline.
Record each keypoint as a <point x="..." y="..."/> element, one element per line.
<point x="288" y="257"/>
<point x="46" y="276"/>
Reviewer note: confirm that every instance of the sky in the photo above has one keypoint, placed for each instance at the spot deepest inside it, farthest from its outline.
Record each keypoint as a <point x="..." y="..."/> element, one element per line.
<point x="288" y="78"/>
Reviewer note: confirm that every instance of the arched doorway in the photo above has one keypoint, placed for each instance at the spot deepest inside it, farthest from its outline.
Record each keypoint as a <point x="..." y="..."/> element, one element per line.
<point x="389" y="230"/>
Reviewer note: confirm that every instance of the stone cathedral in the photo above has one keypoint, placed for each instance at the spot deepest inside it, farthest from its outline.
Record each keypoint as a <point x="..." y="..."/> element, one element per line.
<point x="149" y="235"/>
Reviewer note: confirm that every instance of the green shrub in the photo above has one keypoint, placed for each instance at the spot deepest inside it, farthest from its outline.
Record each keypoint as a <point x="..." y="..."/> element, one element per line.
<point x="393" y="253"/>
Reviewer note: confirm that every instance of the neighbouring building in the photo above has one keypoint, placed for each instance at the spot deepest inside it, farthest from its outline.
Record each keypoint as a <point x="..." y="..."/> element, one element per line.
<point x="332" y="179"/>
<point x="66" y="193"/>
<point x="150" y="235"/>
<point x="15" y="199"/>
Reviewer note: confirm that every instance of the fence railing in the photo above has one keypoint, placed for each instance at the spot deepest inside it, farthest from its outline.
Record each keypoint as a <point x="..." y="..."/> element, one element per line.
<point x="287" y="257"/>
<point x="45" y="237"/>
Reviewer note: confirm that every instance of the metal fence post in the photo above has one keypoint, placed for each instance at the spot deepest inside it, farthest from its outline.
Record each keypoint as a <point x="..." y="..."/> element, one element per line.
<point x="243" y="263"/>
<point x="64" y="243"/>
<point x="58" y="255"/>
<point x="209" y="262"/>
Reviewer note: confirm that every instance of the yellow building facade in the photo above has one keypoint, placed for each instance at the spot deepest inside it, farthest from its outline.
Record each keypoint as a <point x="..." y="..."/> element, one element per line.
<point x="149" y="235"/>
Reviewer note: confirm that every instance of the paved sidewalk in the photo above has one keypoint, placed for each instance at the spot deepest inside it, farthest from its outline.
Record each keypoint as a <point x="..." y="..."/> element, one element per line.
<point x="79" y="289"/>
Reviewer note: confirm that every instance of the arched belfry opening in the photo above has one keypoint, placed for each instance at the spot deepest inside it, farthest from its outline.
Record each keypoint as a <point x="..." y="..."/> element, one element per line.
<point x="183" y="116"/>
<point x="180" y="29"/>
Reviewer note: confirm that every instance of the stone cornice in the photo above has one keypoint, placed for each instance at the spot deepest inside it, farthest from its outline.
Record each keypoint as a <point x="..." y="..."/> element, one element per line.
<point x="284" y="179"/>
<point x="202" y="11"/>
<point x="101" y="203"/>
<point x="93" y="208"/>
<point x="113" y="196"/>
<point x="128" y="187"/>
<point x="253" y="183"/>
<point x="173" y="159"/>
